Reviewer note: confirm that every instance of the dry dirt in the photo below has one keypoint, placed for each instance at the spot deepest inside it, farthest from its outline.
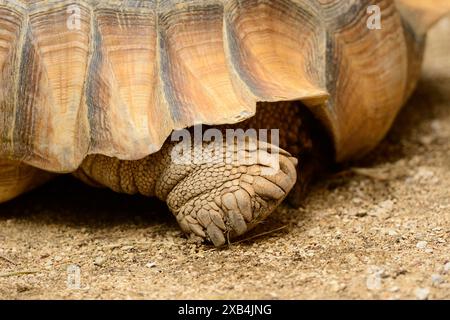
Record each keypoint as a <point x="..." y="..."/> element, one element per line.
<point x="382" y="232"/>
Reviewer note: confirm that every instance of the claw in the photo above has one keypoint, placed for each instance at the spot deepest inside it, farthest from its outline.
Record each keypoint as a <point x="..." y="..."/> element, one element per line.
<point x="245" y="204"/>
<point x="267" y="189"/>
<point x="215" y="235"/>
<point x="237" y="222"/>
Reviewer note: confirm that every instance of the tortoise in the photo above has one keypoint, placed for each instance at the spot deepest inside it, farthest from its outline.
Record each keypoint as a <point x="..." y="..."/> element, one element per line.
<point x="98" y="88"/>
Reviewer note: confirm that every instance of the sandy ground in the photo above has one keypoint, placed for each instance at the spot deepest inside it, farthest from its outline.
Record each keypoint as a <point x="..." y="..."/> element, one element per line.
<point x="378" y="232"/>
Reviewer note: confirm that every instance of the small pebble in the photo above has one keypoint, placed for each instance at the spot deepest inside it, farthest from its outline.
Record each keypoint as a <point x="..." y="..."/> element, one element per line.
<point x="387" y="205"/>
<point x="426" y="140"/>
<point x="336" y="286"/>
<point x="99" y="261"/>
<point x="126" y="248"/>
<point x="22" y="288"/>
<point x="373" y="280"/>
<point x="361" y="213"/>
<point x="422" y="293"/>
<point x="383" y="209"/>
<point x="437" y="126"/>
<point x="436" y="279"/>
<point x="392" y="232"/>
<point x="423" y="174"/>
<point x="151" y="264"/>
<point x="447" y="267"/>
<point x="394" y="289"/>
<point x="421" y="244"/>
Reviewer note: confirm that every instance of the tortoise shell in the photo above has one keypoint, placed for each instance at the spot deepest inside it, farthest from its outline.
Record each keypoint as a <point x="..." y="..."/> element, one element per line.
<point x="117" y="77"/>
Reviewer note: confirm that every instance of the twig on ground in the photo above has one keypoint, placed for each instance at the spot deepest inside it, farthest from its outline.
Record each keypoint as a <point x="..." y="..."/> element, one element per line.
<point x="391" y="172"/>
<point x="18" y="273"/>
<point x="260" y="234"/>
<point x="8" y="260"/>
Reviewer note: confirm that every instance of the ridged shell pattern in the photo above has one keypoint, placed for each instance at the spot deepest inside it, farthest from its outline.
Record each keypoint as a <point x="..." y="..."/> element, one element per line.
<point x="123" y="75"/>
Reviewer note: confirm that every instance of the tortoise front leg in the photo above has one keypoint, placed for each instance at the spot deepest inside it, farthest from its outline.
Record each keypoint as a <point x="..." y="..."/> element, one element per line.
<point x="215" y="199"/>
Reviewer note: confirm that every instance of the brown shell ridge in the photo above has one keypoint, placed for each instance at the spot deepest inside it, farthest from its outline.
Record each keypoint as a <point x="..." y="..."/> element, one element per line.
<point x="206" y="97"/>
<point x="216" y="19"/>
<point x="131" y="73"/>
<point x="137" y="70"/>
<point x="367" y="72"/>
<point x="16" y="91"/>
<point x="53" y="81"/>
<point x="119" y="118"/>
<point x="252" y="53"/>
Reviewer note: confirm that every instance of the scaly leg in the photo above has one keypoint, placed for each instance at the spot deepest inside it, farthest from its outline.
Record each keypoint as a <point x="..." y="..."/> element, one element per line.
<point x="215" y="199"/>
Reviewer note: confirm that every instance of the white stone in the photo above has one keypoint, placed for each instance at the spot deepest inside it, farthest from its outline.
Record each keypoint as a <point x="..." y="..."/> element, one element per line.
<point x="422" y="293"/>
<point x="421" y="245"/>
